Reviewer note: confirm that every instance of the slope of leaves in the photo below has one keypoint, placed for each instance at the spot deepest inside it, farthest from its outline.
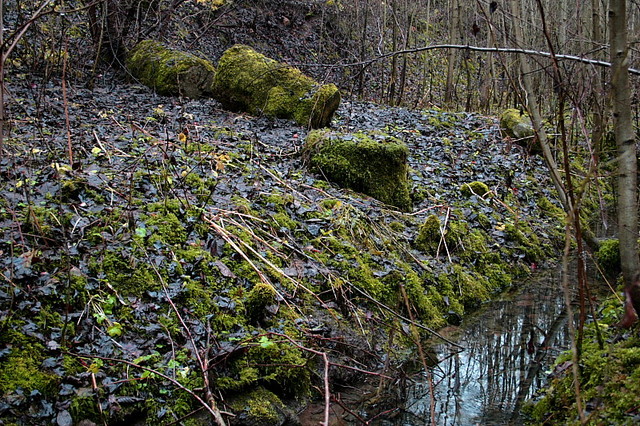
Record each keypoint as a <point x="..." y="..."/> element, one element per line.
<point x="187" y="248"/>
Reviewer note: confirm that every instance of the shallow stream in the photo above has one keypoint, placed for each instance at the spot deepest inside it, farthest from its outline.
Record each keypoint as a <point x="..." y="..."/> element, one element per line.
<point x="508" y="348"/>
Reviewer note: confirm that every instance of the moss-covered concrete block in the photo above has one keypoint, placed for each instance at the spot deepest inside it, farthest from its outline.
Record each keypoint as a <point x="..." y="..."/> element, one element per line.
<point x="517" y="124"/>
<point x="372" y="163"/>
<point x="249" y="81"/>
<point x="170" y="72"/>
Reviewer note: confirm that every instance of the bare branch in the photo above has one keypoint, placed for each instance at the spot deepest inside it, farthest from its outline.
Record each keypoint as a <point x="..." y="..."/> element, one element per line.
<point x="530" y="52"/>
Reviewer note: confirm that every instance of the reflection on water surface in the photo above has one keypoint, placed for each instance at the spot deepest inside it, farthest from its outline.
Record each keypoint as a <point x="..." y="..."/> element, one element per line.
<point x="508" y="348"/>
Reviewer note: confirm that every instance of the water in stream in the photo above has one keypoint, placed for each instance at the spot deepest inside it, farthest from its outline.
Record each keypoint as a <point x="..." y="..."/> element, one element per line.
<point x="508" y="348"/>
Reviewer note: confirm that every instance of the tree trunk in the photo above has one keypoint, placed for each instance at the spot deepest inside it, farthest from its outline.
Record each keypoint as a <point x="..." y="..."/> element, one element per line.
<point x="597" y="132"/>
<point x="2" y="119"/>
<point x="394" y="59"/>
<point x="534" y="111"/>
<point x="454" y="30"/>
<point x="627" y="160"/>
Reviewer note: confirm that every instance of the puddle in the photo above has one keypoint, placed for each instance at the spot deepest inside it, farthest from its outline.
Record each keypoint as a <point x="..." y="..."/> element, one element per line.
<point x="509" y="346"/>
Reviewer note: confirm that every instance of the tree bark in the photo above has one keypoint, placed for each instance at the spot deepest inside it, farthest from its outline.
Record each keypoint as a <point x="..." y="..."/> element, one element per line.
<point x="627" y="159"/>
<point x="536" y="117"/>
<point x="454" y="30"/>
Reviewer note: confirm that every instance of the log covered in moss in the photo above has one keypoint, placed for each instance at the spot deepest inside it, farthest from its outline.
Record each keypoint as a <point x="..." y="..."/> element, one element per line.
<point x="372" y="163"/>
<point x="249" y="81"/>
<point x="170" y="72"/>
<point x="517" y="124"/>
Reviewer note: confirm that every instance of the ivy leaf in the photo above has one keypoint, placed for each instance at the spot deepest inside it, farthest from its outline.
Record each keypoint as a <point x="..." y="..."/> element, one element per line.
<point x="141" y="232"/>
<point x="115" y="329"/>
<point x="265" y="342"/>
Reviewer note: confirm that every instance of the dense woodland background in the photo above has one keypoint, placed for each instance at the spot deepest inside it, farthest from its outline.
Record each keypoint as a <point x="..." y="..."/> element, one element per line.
<point x="352" y="43"/>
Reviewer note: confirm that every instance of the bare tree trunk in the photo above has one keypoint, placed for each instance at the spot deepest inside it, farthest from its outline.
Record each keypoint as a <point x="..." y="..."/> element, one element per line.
<point x="453" y="31"/>
<point x="2" y="120"/>
<point x="394" y="59"/>
<point x="627" y="160"/>
<point x="598" y="107"/>
<point x="407" y="39"/>
<point x="363" y="48"/>
<point x="534" y="111"/>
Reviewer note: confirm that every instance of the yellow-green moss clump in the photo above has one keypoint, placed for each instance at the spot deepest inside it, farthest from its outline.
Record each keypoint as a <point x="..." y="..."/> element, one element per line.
<point x="260" y="407"/>
<point x="372" y="163"/>
<point x="258" y="298"/>
<point x="608" y="256"/>
<point x="249" y="81"/>
<point x="475" y="188"/>
<point x="609" y="378"/>
<point x="170" y="72"/>
<point x="432" y="236"/>
<point x="21" y="369"/>
<point x="517" y="124"/>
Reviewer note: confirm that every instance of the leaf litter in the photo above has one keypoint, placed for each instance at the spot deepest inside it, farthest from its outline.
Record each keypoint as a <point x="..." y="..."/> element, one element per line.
<point x="183" y="193"/>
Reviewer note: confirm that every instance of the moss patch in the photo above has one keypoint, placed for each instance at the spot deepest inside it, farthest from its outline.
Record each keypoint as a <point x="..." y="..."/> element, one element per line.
<point x="372" y="163"/>
<point x="249" y="81"/>
<point x="609" y="378"/>
<point x="608" y="256"/>
<point x="260" y="407"/>
<point x="21" y="367"/>
<point x="475" y="188"/>
<point x="169" y="71"/>
<point x="517" y="124"/>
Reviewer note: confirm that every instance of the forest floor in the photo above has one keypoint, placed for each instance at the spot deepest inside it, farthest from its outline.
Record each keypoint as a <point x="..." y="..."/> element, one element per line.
<point x="128" y="272"/>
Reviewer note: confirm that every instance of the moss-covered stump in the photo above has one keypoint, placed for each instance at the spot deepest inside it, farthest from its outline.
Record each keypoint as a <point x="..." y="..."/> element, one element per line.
<point x="372" y="163"/>
<point x="249" y="81"/>
<point x="170" y="72"/>
<point x="517" y="124"/>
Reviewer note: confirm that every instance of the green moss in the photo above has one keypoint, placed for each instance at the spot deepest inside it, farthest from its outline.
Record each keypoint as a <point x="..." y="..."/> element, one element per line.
<point x="609" y="382"/>
<point x="429" y="235"/>
<point x="85" y="407"/>
<point x="456" y="235"/>
<point x="21" y="369"/>
<point x="257" y="300"/>
<point x="556" y="217"/>
<point x="259" y="407"/>
<point x="608" y="256"/>
<point x="284" y="221"/>
<point x="249" y="81"/>
<point x="199" y="298"/>
<point x="277" y="366"/>
<point x="472" y="287"/>
<point x="169" y="71"/>
<point x="528" y="242"/>
<point x="372" y="163"/>
<point x="397" y="226"/>
<point x="517" y="124"/>
<point x="166" y="228"/>
<point x="475" y="188"/>
<point x="361" y="275"/>
<point x="127" y="276"/>
<point x="428" y="307"/>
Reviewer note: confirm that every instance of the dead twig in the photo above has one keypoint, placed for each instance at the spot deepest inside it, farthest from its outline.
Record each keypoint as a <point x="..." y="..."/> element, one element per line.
<point x="156" y="372"/>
